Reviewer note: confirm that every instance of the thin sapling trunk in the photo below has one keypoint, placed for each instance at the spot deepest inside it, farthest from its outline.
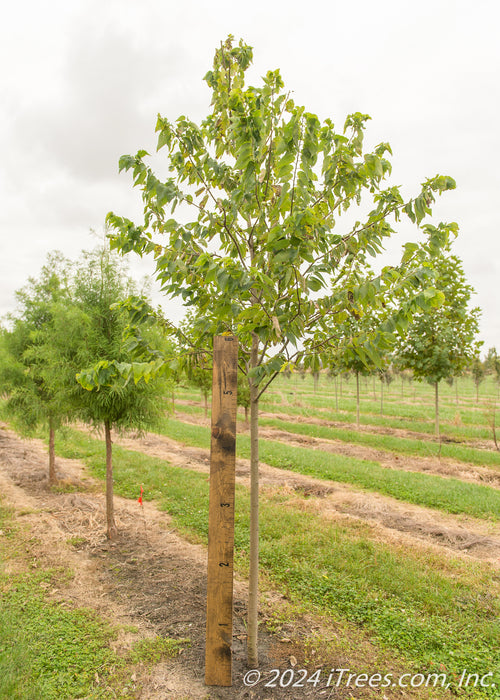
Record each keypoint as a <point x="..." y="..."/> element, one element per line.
<point x="436" y="401"/>
<point x="52" y="454"/>
<point x="357" y="399"/>
<point x="253" y="577"/>
<point x="111" y="531"/>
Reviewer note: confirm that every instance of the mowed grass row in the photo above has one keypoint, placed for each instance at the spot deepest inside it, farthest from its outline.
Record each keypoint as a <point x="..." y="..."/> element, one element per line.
<point x="402" y="418"/>
<point x="389" y="443"/>
<point x="396" y="445"/>
<point x="399" y="421"/>
<point x="467" y="417"/>
<point x="419" y="392"/>
<point x="447" y="494"/>
<point x="431" y="610"/>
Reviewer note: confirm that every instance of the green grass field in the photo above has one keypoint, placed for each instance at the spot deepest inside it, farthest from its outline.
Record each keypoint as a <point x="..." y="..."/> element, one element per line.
<point x="430" y="608"/>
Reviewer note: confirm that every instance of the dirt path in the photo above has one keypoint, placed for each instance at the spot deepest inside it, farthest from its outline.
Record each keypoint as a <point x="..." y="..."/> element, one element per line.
<point x="393" y="521"/>
<point x="155" y="581"/>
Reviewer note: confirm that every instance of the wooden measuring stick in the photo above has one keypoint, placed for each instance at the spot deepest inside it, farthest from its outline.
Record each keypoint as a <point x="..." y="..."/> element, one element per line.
<point x="218" y="659"/>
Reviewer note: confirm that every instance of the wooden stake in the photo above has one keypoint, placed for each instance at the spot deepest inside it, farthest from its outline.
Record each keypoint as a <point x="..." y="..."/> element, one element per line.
<point x="221" y="513"/>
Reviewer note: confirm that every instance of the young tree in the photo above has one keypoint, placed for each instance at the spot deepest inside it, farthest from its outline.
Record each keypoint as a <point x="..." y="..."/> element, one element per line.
<point x="102" y="397"/>
<point x="441" y="344"/>
<point x="492" y="365"/>
<point x="33" y="374"/>
<point x="350" y="361"/>
<point x="478" y="372"/>
<point x="386" y="377"/>
<point x="268" y="184"/>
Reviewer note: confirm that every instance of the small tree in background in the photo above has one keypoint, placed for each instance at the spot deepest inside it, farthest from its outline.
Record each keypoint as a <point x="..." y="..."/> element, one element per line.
<point x="492" y="366"/>
<point x="478" y="372"/>
<point x="197" y="368"/>
<point x="33" y="374"/>
<point x="441" y="344"/>
<point x="386" y="376"/>
<point x="243" y="397"/>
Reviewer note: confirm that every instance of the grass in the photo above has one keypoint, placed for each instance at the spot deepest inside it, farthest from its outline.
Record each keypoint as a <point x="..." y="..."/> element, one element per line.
<point x="390" y="443"/>
<point x="428" y="609"/>
<point x="397" y="445"/>
<point x="447" y="494"/>
<point x="412" y="408"/>
<point x="426" y="427"/>
<point x="48" y="651"/>
<point x="155" y="649"/>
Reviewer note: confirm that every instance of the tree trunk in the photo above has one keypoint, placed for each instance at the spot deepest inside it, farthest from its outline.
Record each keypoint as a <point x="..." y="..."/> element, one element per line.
<point x="52" y="454"/>
<point x="381" y="397"/>
<point x="315" y="380"/>
<point x="436" y="385"/>
<point x="246" y="415"/>
<point x="493" y="426"/>
<point x="205" y="394"/>
<point x="357" y="399"/>
<point x="336" y="396"/>
<point x="111" y="532"/>
<point x="374" y="389"/>
<point x="253" y="577"/>
<point x="402" y="388"/>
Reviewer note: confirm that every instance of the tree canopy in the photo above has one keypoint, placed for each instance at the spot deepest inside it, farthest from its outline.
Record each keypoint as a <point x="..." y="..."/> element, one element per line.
<point x="441" y="344"/>
<point x="33" y="373"/>
<point x="259" y="245"/>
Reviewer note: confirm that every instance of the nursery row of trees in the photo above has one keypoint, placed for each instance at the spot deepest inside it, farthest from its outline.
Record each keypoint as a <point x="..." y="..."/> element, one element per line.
<point x="68" y="320"/>
<point x="259" y="249"/>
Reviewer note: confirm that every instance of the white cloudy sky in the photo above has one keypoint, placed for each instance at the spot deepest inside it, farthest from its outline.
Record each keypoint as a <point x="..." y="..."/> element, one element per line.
<point x="82" y="81"/>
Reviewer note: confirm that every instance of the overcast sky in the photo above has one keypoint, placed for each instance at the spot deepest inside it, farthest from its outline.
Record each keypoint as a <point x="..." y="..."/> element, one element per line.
<point x="82" y="82"/>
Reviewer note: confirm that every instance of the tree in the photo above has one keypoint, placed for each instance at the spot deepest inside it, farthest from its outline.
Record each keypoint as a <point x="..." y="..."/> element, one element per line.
<point x="386" y="377"/>
<point x="33" y="374"/>
<point x="478" y="372"/>
<point x="195" y="365"/>
<point x="350" y="361"/>
<point x="102" y="397"/>
<point x="441" y="344"/>
<point x="492" y="365"/>
<point x="268" y="183"/>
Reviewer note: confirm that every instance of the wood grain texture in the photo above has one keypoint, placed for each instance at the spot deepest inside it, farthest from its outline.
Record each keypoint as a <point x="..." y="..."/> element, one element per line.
<point x="218" y="661"/>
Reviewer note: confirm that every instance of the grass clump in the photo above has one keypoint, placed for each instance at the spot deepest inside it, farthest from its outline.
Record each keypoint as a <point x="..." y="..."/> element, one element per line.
<point x="156" y="649"/>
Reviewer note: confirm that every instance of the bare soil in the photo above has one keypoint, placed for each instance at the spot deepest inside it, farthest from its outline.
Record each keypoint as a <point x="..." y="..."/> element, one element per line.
<point x="154" y="580"/>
